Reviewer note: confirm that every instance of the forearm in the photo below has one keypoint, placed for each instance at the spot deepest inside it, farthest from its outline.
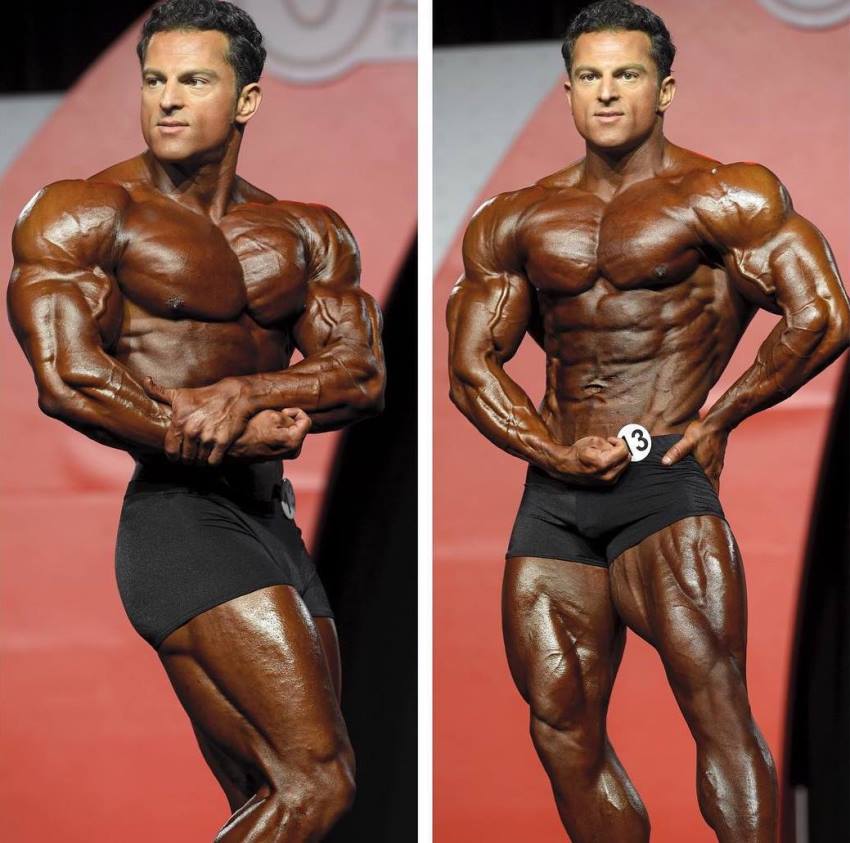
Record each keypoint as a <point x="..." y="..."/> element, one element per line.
<point x="335" y="387"/>
<point x="102" y="400"/>
<point x="502" y="411"/>
<point x="796" y="349"/>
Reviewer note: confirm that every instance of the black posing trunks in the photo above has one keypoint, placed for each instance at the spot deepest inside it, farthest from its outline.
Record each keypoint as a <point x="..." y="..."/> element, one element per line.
<point x="192" y="538"/>
<point x="558" y="521"/>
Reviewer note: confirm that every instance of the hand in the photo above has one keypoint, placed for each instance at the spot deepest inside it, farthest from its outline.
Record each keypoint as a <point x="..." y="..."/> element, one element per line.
<point x="272" y="434"/>
<point x="590" y="461"/>
<point x="708" y="446"/>
<point x="204" y="421"/>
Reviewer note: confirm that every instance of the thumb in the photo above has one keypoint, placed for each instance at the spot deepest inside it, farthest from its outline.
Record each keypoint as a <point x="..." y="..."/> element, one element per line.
<point x="153" y="389"/>
<point x="681" y="449"/>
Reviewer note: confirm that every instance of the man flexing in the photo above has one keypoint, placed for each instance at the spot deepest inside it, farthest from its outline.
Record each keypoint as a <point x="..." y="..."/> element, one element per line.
<point x="637" y="270"/>
<point x="159" y="303"/>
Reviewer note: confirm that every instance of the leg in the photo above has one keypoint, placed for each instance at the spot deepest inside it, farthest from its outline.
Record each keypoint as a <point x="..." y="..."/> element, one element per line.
<point x="237" y="781"/>
<point x="564" y="644"/>
<point x="254" y="681"/>
<point x="682" y="589"/>
<point x="330" y="646"/>
<point x="234" y="778"/>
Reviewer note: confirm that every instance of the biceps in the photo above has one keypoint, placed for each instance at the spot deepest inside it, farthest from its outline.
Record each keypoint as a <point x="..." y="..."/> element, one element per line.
<point x="331" y="318"/>
<point x="793" y="273"/>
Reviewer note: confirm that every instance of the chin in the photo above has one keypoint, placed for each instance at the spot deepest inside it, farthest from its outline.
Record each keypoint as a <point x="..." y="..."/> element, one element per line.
<point x="173" y="153"/>
<point x="615" y="141"/>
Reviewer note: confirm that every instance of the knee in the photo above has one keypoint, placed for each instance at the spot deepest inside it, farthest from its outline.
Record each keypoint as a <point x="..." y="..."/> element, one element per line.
<point x="570" y="729"/>
<point x="326" y="792"/>
<point x="338" y="790"/>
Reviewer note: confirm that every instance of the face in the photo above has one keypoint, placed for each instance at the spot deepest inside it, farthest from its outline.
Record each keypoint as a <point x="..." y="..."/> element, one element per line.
<point x="614" y="89"/>
<point x="189" y="101"/>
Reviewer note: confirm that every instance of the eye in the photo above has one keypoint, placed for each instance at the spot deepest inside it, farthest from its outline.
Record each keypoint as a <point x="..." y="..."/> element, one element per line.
<point x="630" y="75"/>
<point x="585" y="77"/>
<point x="151" y="81"/>
<point x="197" y="81"/>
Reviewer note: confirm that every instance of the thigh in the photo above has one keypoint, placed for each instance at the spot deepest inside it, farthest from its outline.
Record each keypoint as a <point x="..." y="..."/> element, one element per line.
<point x="252" y="676"/>
<point x="330" y="646"/>
<point x="563" y="638"/>
<point x="683" y="590"/>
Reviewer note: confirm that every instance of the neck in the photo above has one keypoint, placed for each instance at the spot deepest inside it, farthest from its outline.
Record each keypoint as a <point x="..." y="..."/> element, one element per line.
<point x="609" y="170"/>
<point x="205" y="183"/>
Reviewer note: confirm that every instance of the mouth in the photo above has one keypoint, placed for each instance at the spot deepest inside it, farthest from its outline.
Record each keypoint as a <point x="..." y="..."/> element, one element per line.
<point x="608" y="116"/>
<point x="171" y="128"/>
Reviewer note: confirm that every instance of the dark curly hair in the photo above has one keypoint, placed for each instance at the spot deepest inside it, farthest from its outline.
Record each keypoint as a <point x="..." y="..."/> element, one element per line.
<point x="246" y="54"/>
<point x="622" y="15"/>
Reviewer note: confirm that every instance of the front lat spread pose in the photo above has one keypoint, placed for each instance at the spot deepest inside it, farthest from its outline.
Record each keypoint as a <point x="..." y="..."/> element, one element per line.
<point x="159" y="303"/>
<point x="637" y="270"/>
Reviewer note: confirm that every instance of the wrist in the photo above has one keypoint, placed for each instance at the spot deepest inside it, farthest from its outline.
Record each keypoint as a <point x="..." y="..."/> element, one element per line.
<point x="244" y="395"/>
<point x="553" y="457"/>
<point x="716" y="425"/>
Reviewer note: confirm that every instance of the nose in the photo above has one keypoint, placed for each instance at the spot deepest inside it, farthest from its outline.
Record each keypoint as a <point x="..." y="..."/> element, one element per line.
<point x="607" y="93"/>
<point x="170" y="96"/>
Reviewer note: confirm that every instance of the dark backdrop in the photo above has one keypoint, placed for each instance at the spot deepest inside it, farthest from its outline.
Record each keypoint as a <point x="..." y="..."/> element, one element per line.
<point x="494" y="21"/>
<point x="367" y="560"/>
<point x="817" y="754"/>
<point x="47" y="46"/>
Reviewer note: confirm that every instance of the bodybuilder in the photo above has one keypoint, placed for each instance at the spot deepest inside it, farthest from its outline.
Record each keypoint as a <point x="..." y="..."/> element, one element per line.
<point x="637" y="270"/>
<point x="159" y="303"/>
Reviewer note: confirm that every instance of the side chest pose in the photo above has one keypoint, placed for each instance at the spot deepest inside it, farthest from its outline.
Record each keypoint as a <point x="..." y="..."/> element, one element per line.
<point x="159" y="304"/>
<point x="637" y="270"/>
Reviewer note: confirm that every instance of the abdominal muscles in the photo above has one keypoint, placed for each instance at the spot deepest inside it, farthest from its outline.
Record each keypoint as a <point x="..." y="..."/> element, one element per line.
<point x="646" y="356"/>
<point x="190" y="353"/>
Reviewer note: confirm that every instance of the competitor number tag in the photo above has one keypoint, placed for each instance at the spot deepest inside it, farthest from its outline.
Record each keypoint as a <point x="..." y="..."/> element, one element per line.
<point x="287" y="498"/>
<point x="637" y="440"/>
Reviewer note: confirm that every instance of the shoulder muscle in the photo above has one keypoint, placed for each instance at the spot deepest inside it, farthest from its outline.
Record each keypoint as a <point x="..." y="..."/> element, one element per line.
<point x="741" y="205"/>
<point x="333" y="256"/>
<point x="70" y="222"/>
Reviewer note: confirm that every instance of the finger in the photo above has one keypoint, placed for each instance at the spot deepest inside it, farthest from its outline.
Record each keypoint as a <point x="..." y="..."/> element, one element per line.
<point x="681" y="449"/>
<point x="296" y="414"/>
<point x="189" y="447"/>
<point x="618" y="457"/>
<point x="292" y="436"/>
<point x="303" y="417"/>
<point x="302" y="426"/>
<point x="172" y="443"/>
<point x="217" y="453"/>
<point x="161" y="393"/>
<point x="623" y="451"/>
<point x="189" y="450"/>
<point x="614" y="472"/>
<point x="205" y="447"/>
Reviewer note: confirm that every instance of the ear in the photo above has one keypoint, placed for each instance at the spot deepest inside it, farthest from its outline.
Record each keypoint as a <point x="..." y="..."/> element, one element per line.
<point x="248" y="102"/>
<point x="666" y="92"/>
<point x="568" y="89"/>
